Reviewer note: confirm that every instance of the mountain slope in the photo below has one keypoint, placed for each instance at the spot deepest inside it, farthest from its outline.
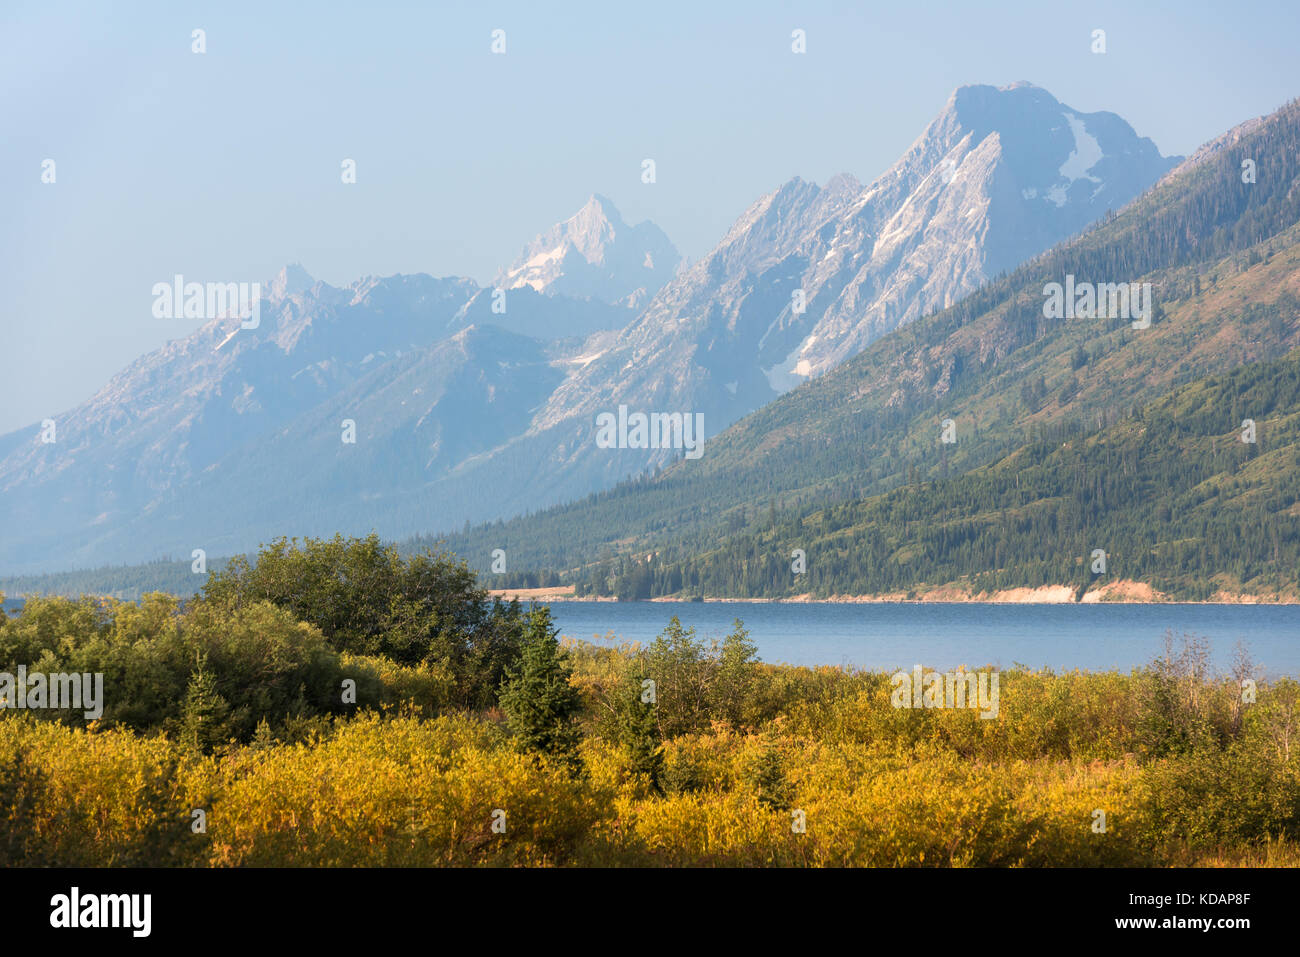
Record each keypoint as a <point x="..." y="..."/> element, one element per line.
<point x="1224" y="263"/>
<point x="998" y="176"/>
<point x="530" y="313"/>
<point x="177" y="412"/>
<point x="1172" y="496"/>
<point x="414" y="419"/>
<point x="151" y="464"/>
<point x="718" y="340"/>
<point x="154" y="462"/>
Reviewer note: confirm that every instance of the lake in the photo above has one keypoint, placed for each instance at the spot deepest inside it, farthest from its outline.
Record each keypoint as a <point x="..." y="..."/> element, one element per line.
<point x="894" y="635"/>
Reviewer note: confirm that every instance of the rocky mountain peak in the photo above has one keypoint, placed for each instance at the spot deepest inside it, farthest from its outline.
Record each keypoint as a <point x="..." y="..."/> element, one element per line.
<point x="808" y="276"/>
<point x="291" y="280"/>
<point x="594" y="254"/>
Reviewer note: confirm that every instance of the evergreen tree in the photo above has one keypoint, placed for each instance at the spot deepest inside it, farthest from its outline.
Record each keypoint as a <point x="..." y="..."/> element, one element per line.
<point x="766" y="776"/>
<point x="736" y="673"/>
<point x="638" y="729"/>
<point x="538" y="700"/>
<point x="204" y="721"/>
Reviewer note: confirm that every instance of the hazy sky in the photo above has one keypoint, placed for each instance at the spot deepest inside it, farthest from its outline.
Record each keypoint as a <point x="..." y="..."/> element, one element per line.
<point x="226" y="165"/>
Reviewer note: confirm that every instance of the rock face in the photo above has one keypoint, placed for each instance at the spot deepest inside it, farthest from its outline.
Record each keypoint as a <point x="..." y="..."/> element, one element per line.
<point x="529" y="313"/>
<point x="462" y="411"/>
<point x="997" y="177"/>
<point x="595" y="255"/>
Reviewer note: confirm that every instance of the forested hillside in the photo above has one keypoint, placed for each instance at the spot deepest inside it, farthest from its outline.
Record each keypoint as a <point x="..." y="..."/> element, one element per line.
<point x="126" y="582"/>
<point x="1172" y="495"/>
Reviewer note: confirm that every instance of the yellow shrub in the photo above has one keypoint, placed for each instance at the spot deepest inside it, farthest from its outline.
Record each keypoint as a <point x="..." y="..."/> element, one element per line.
<point x="399" y="792"/>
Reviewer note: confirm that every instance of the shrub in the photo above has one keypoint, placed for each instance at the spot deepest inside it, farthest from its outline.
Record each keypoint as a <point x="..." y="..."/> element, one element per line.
<point x="367" y="599"/>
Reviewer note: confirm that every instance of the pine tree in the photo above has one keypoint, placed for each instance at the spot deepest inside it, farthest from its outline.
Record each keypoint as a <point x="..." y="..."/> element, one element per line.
<point x="766" y="776"/>
<point x="735" y="674"/>
<point x="203" y="723"/>
<point x="638" y="730"/>
<point x="536" y="696"/>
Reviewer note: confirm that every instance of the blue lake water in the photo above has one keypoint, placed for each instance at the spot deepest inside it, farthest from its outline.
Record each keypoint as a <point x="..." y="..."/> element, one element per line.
<point x="889" y="636"/>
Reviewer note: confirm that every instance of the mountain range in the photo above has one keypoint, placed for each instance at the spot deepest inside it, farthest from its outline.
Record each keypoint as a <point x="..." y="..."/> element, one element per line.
<point x="998" y="176"/>
<point x="901" y="469"/>
<point x="472" y="404"/>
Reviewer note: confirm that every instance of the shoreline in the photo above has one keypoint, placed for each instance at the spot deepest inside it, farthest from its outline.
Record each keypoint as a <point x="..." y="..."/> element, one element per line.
<point x="1113" y="593"/>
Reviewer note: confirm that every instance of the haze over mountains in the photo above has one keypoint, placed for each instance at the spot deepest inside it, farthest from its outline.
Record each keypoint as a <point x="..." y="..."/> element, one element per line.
<point x="998" y="176"/>
<point x="464" y="412"/>
<point x="1067" y="434"/>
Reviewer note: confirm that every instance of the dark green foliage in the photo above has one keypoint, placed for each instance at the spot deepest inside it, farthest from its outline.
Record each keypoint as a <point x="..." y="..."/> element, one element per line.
<point x="527" y="579"/>
<point x="256" y="659"/>
<point x="638" y="728"/>
<point x="1170" y="493"/>
<point x="1222" y="798"/>
<point x="129" y="582"/>
<point x="205" y="716"/>
<point x="695" y="683"/>
<point x="683" y="672"/>
<point x="262" y="663"/>
<point x="265" y="642"/>
<point x="736" y="678"/>
<point x="366" y="598"/>
<point x="682" y="774"/>
<point x="766" y="777"/>
<point x="539" y="702"/>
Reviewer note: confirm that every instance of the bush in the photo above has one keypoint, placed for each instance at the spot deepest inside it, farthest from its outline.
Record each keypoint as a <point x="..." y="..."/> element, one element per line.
<point x="367" y="599"/>
<point x="1230" y="797"/>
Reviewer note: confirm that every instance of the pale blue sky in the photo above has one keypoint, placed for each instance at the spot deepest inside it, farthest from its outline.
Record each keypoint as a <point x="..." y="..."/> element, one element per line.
<point x="225" y="166"/>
